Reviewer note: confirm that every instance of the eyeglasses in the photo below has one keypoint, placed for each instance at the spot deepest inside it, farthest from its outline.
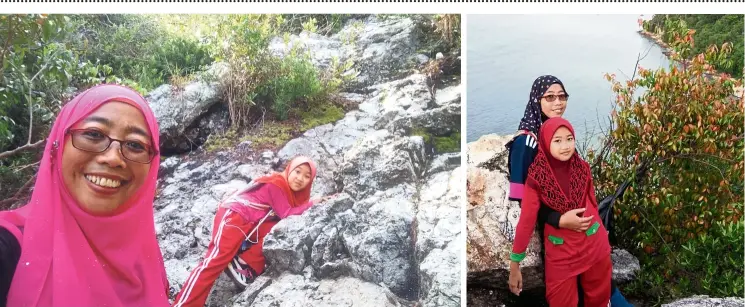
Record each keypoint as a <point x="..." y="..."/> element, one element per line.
<point x="95" y="141"/>
<point x="551" y="98"/>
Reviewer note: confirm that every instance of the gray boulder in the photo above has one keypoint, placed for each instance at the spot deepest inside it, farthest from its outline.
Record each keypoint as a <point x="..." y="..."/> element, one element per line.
<point x="370" y="240"/>
<point x="182" y="112"/>
<point x="705" y="301"/>
<point x="300" y="291"/>
<point x="385" y="47"/>
<point x="380" y="47"/>
<point x="492" y="219"/>
<point x="185" y="206"/>
<point x="390" y="237"/>
<point x="439" y="236"/>
<point x="381" y="161"/>
<point x="625" y="266"/>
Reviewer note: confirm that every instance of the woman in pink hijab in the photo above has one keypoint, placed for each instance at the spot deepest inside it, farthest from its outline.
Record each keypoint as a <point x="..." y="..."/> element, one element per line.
<point x="87" y="238"/>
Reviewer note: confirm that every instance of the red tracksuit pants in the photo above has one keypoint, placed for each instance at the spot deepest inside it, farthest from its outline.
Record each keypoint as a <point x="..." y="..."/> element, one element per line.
<point x="228" y="232"/>
<point x="596" y="284"/>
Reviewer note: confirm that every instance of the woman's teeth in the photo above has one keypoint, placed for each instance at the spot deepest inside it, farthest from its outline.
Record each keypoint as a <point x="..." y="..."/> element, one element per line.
<point x="104" y="182"/>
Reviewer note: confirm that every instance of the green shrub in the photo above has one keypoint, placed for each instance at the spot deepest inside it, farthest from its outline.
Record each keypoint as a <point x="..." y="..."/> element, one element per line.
<point x="708" y="264"/>
<point x="320" y="115"/>
<point x="139" y="48"/>
<point x="297" y="80"/>
<point x="708" y="29"/>
<point x="688" y="128"/>
<point x="449" y="143"/>
<point x="325" y="24"/>
<point x="271" y="135"/>
<point x="14" y="173"/>
<point x="37" y="69"/>
<point x="263" y="81"/>
<point x="441" y="144"/>
<point x="180" y="56"/>
<point x="719" y="254"/>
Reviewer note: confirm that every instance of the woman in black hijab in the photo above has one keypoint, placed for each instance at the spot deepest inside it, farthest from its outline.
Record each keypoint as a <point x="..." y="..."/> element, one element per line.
<point x="548" y="98"/>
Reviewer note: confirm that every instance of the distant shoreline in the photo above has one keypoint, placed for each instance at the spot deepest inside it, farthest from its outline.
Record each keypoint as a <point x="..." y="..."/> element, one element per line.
<point x="666" y="50"/>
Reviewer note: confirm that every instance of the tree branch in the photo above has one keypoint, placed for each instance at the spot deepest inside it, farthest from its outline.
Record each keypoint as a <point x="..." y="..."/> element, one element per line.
<point x="24" y="187"/>
<point x="6" y="46"/>
<point x="638" y="59"/>
<point x="31" y="103"/>
<point x="17" y="196"/>
<point x="644" y="216"/>
<point x="27" y="166"/>
<point x="23" y="148"/>
<point x="709" y="164"/>
<point x="690" y="156"/>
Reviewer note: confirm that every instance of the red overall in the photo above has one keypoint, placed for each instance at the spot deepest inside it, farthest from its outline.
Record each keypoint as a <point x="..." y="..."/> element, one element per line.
<point x="228" y="233"/>
<point x="573" y="253"/>
<point x="568" y="254"/>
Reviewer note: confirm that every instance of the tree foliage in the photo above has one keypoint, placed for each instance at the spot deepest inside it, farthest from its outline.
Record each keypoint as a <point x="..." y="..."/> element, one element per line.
<point x="708" y="29"/>
<point x="684" y="217"/>
<point x="47" y="59"/>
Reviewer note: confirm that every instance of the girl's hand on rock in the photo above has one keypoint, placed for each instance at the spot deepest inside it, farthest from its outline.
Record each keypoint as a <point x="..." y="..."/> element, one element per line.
<point x="329" y="197"/>
<point x="516" y="278"/>
<point x="321" y="199"/>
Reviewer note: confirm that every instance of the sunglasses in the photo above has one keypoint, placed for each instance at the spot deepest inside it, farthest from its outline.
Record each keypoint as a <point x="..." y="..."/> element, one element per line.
<point x="552" y="97"/>
<point x="95" y="141"/>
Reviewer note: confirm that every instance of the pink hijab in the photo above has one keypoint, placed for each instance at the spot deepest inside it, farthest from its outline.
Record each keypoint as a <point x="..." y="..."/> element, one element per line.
<point x="72" y="258"/>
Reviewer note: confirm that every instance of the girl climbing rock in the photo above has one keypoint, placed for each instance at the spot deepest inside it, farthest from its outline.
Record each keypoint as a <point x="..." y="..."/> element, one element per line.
<point x="559" y="179"/>
<point x="241" y="223"/>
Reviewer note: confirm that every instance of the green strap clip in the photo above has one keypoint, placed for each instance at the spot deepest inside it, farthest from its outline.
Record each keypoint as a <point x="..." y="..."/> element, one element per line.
<point x="517" y="257"/>
<point x="555" y="240"/>
<point x="593" y="229"/>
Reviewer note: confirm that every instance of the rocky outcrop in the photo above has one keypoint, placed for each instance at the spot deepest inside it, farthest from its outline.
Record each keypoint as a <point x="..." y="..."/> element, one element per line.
<point x="705" y="301"/>
<point x="492" y="218"/>
<point x="297" y="290"/>
<point x="625" y="266"/>
<point x="390" y="237"/>
<point x="187" y="115"/>
<point x="394" y="223"/>
<point x="380" y="48"/>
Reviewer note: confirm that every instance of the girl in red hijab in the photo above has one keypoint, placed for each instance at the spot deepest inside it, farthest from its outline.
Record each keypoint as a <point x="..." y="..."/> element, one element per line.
<point x="561" y="180"/>
<point x="244" y="219"/>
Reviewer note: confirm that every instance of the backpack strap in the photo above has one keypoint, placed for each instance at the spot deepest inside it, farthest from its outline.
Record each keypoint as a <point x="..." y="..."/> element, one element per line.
<point x="521" y="132"/>
<point x="233" y="197"/>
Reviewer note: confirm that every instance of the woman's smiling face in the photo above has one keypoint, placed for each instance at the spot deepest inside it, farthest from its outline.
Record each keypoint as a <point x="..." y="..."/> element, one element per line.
<point x="101" y="182"/>
<point x="554" y="101"/>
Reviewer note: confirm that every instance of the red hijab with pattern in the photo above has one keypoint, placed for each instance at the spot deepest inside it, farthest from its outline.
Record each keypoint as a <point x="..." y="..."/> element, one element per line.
<point x="561" y="184"/>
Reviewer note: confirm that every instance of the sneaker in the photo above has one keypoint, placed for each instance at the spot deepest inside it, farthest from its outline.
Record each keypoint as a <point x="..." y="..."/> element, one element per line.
<point x="240" y="272"/>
